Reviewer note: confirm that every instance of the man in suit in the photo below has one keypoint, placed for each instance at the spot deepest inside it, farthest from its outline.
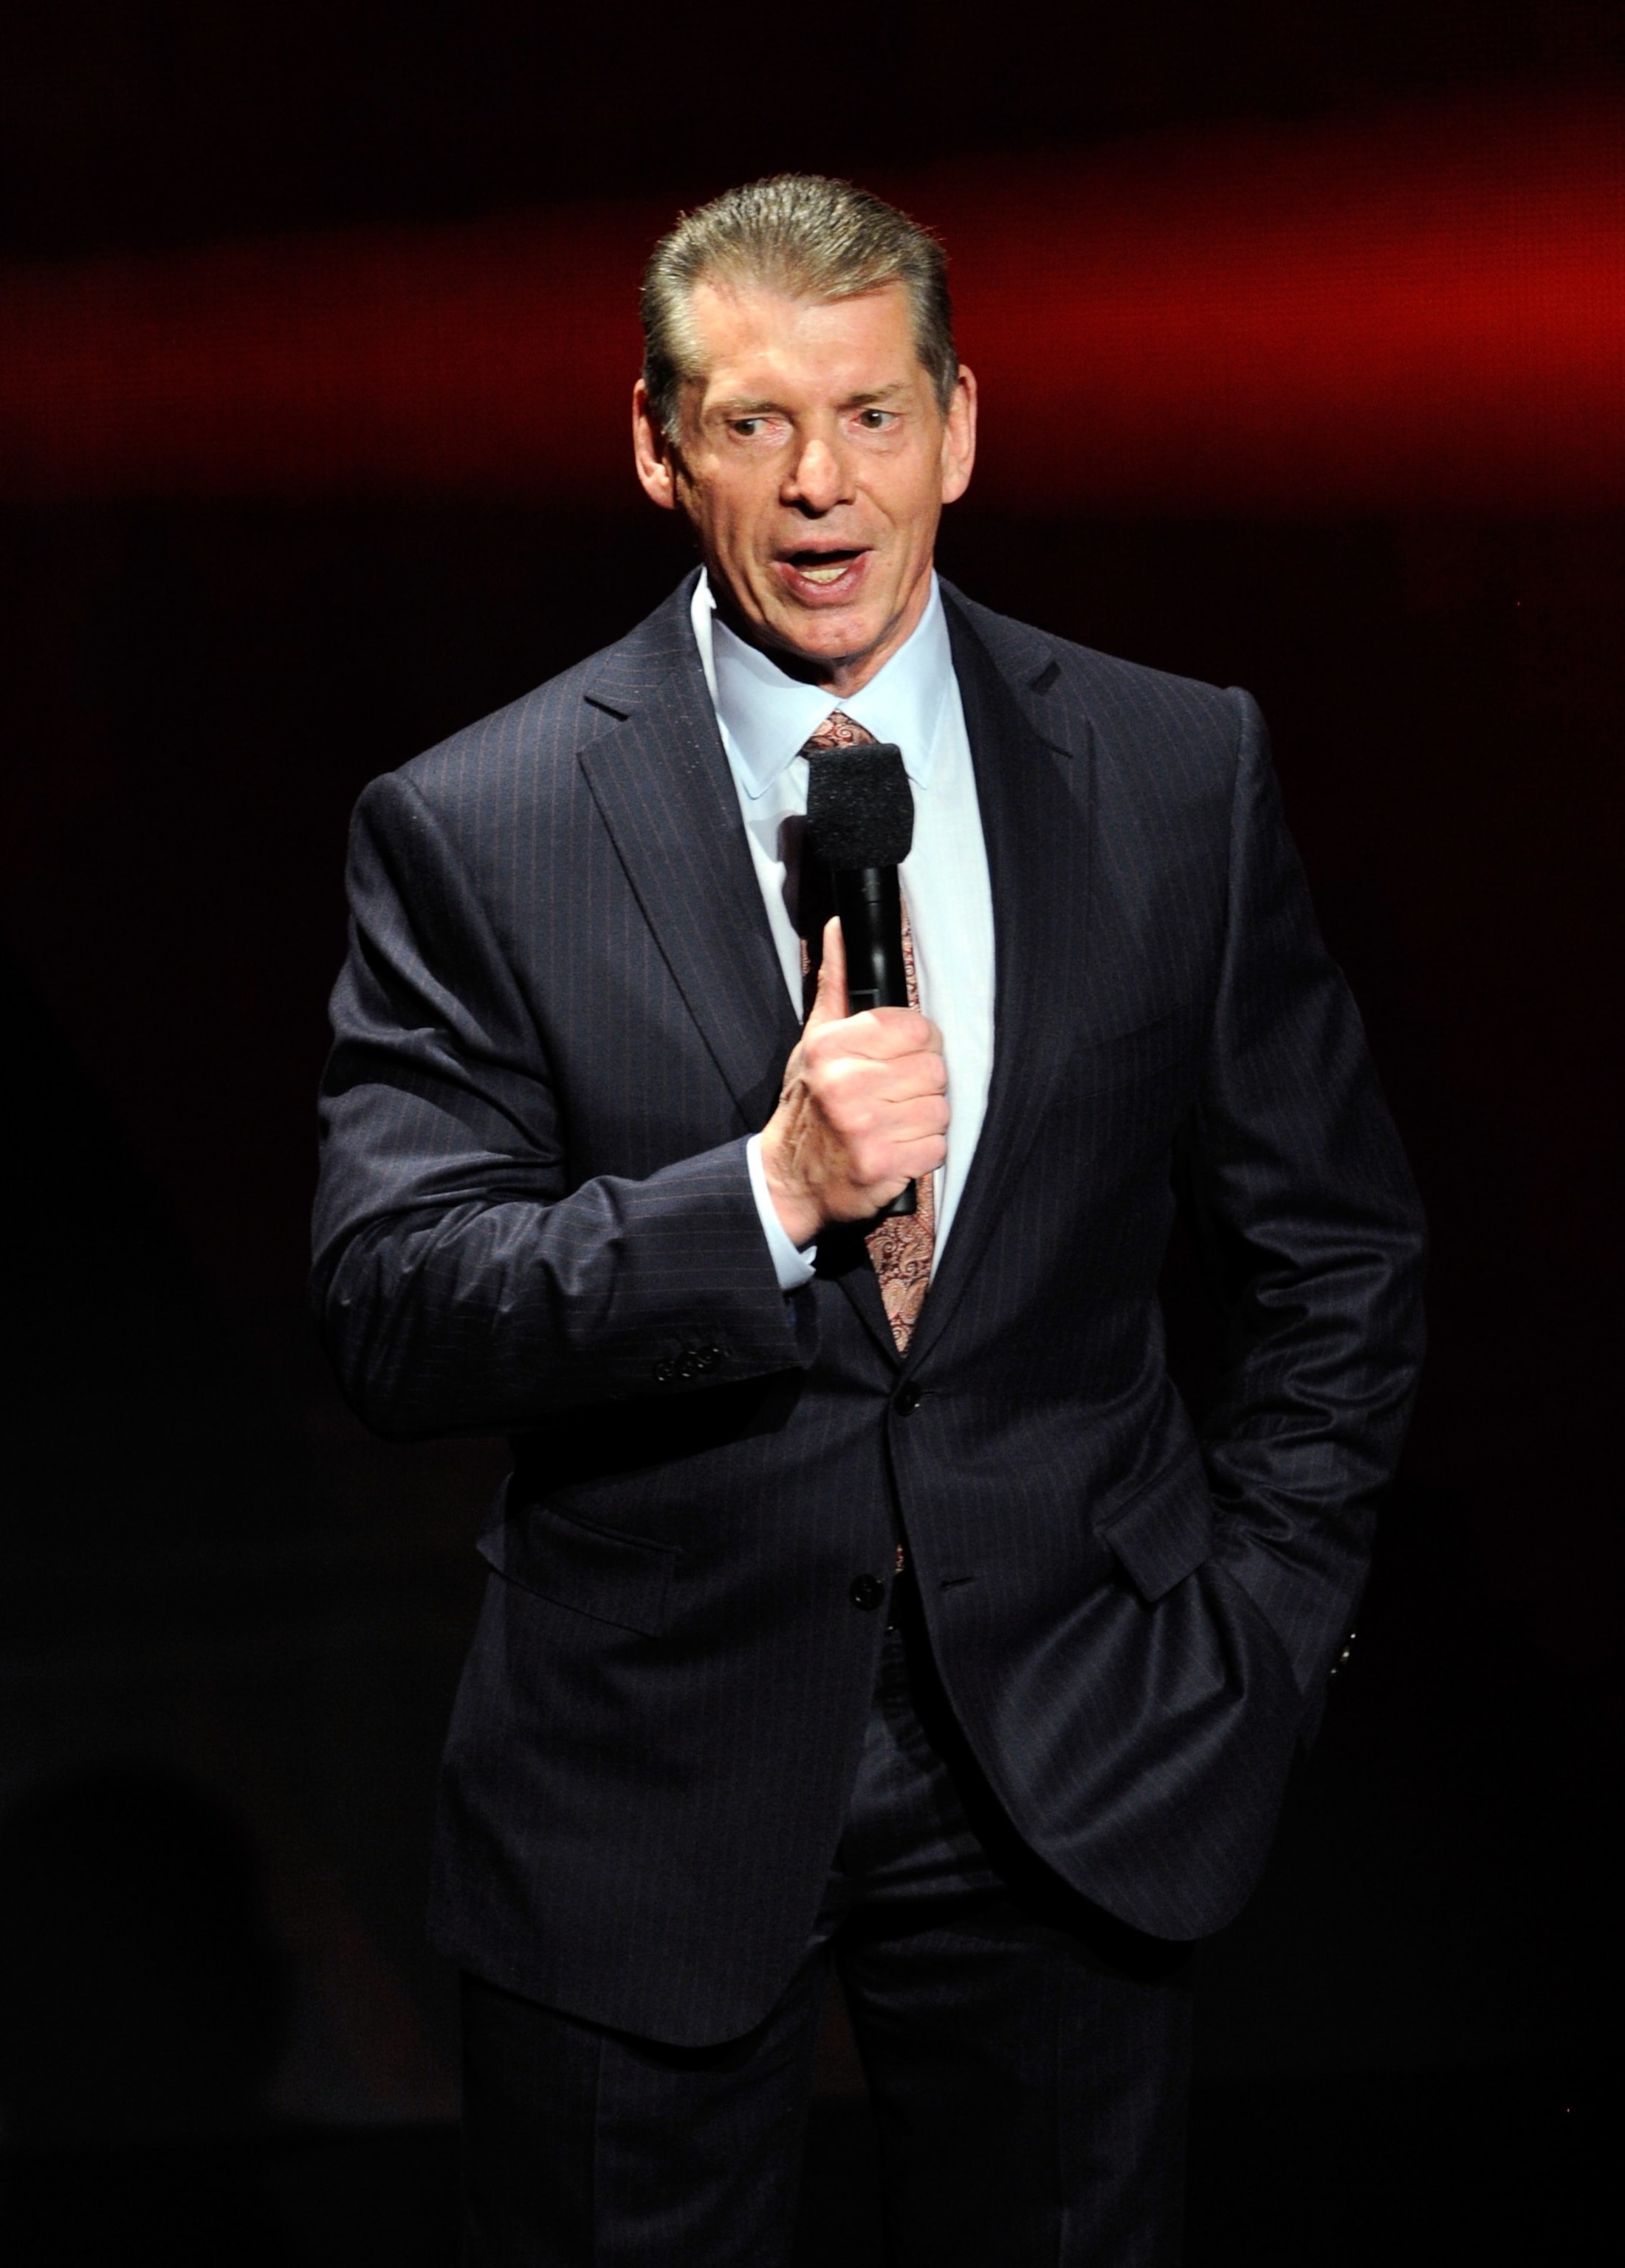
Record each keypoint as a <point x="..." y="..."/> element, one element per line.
<point x="834" y="1618"/>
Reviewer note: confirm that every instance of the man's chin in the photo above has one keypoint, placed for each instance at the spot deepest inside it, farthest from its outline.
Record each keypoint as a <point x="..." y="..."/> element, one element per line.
<point x="822" y="642"/>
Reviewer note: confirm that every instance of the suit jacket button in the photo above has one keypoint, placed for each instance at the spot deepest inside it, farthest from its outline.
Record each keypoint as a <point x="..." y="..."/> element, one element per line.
<point x="907" y="1399"/>
<point x="665" y="1373"/>
<point x="867" y="1592"/>
<point x="707" y="1357"/>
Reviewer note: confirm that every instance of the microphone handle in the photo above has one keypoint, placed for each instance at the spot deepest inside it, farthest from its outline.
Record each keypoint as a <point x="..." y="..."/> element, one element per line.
<point x="871" y="930"/>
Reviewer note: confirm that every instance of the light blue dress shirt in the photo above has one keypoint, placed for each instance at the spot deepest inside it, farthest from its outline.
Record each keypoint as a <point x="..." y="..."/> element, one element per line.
<point x="766" y="719"/>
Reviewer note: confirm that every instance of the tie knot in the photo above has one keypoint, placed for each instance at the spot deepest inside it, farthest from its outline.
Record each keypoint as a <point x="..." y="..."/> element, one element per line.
<point x="839" y="731"/>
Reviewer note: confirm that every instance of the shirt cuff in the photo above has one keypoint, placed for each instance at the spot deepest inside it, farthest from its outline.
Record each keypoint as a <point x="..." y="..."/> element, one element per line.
<point x="793" y="1268"/>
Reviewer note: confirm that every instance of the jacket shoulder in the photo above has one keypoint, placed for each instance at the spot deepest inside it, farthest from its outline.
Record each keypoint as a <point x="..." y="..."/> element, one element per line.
<point x="531" y="744"/>
<point x="1124" y="702"/>
<point x="531" y="740"/>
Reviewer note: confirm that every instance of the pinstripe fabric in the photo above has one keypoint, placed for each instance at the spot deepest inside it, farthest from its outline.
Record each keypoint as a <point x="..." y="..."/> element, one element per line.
<point x="1027" y="2059"/>
<point x="561" y="1016"/>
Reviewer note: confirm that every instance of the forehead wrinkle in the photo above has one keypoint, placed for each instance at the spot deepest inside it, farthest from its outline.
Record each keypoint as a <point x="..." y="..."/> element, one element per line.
<point x="735" y="294"/>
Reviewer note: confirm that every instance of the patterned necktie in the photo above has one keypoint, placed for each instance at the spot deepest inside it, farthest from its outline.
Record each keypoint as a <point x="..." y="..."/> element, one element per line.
<point x="901" y="1246"/>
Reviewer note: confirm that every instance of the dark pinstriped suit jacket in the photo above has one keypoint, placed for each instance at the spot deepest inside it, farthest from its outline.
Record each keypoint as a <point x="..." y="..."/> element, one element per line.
<point x="561" y="1016"/>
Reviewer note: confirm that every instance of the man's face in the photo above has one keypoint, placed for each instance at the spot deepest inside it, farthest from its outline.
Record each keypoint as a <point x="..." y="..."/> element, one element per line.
<point x="814" y="462"/>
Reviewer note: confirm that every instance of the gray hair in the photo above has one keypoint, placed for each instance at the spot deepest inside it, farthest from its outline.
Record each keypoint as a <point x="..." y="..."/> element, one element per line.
<point x="805" y="236"/>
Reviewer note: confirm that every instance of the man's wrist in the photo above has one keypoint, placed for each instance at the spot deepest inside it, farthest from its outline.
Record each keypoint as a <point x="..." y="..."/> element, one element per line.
<point x="792" y="1258"/>
<point x="795" y="1209"/>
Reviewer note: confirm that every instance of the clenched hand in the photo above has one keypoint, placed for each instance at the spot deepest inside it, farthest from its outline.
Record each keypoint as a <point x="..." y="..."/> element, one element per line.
<point x="863" y="1111"/>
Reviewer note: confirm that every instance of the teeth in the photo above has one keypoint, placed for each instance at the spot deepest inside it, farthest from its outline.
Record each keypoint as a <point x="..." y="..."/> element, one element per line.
<point x="827" y="574"/>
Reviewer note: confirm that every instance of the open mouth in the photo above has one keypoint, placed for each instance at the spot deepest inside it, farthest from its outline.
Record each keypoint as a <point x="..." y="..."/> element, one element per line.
<point x="823" y="570"/>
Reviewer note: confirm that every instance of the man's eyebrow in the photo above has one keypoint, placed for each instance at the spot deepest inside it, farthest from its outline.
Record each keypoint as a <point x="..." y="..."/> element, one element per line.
<point x="741" y="407"/>
<point x="763" y="405"/>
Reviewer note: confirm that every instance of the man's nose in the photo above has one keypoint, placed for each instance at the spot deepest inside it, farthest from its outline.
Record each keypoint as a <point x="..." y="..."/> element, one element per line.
<point x="817" y="478"/>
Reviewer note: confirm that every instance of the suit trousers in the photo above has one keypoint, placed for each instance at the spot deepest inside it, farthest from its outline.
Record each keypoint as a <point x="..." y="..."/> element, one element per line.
<point x="1027" y="2058"/>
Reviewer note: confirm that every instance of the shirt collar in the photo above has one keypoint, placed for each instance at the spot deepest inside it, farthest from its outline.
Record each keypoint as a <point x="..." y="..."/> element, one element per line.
<point x="767" y="717"/>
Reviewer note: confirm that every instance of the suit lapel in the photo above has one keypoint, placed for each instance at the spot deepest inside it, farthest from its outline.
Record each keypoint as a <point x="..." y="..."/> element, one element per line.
<point x="659" y="775"/>
<point x="661" y="778"/>
<point x="1035" y="796"/>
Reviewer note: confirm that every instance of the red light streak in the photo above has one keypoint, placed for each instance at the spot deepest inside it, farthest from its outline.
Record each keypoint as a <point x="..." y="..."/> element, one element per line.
<point x="1424" y="308"/>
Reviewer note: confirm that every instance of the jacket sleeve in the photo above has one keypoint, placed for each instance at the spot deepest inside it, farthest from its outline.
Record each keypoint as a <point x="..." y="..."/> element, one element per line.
<point x="1293" y="1181"/>
<point x="461" y="1284"/>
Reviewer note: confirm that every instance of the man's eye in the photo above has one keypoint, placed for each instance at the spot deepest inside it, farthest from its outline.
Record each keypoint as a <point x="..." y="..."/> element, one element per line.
<point x="748" y="426"/>
<point x="874" y="421"/>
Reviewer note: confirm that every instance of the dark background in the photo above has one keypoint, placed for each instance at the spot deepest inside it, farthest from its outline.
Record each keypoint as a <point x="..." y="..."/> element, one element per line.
<point x="229" y="1623"/>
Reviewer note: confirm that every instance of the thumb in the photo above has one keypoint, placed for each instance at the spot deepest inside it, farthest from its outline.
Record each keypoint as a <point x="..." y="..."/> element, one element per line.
<point x="829" y="1006"/>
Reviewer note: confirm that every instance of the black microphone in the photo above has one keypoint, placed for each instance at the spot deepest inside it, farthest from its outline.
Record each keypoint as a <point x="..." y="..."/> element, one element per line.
<point x="860" y="822"/>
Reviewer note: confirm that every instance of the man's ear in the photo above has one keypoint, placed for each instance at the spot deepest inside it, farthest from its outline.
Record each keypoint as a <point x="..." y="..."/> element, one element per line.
<point x="959" y="438"/>
<point x="651" y="451"/>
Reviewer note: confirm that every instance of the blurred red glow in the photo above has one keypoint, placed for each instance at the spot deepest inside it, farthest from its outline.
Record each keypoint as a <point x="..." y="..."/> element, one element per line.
<point x="1427" y="308"/>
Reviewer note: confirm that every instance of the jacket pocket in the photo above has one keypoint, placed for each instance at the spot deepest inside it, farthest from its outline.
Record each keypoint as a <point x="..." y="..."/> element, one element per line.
<point x="1164" y="1531"/>
<point x="623" y="1580"/>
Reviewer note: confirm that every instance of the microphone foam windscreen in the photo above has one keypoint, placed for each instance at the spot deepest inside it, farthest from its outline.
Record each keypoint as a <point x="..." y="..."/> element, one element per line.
<point x="860" y="810"/>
